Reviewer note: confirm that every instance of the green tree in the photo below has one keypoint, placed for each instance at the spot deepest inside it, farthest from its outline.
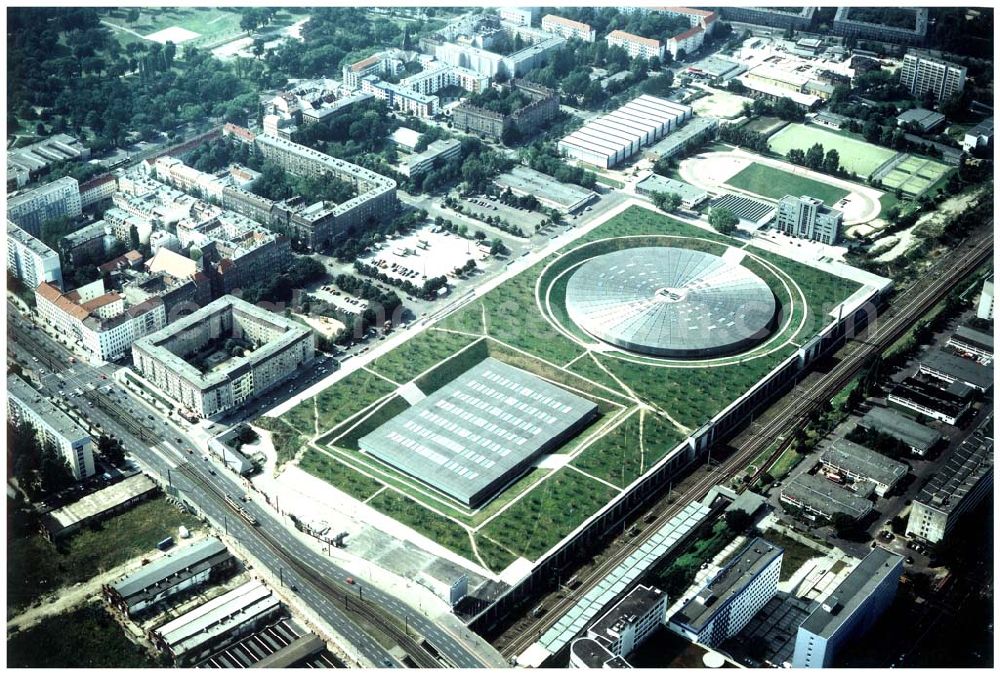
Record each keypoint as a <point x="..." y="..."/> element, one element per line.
<point x="667" y="201"/>
<point x="723" y="220"/>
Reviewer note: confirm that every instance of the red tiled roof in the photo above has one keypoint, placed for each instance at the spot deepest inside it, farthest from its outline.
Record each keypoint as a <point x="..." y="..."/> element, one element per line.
<point x="364" y="63"/>
<point x="638" y="39"/>
<point x="688" y="33"/>
<point x="555" y="18"/>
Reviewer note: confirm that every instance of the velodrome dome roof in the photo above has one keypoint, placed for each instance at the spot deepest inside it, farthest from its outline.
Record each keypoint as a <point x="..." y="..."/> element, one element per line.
<point x="670" y="302"/>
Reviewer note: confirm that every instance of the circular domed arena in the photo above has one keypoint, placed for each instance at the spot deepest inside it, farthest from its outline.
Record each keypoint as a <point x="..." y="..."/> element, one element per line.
<point x="670" y="302"/>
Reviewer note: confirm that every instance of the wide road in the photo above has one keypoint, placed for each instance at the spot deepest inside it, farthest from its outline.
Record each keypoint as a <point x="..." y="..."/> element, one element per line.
<point x="790" y="413"/>
<point x="154" y="443"/>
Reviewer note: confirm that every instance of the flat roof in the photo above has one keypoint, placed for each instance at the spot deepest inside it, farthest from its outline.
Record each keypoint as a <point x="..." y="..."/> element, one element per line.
<point x="967" y="465"/>
<point x="854" y="590"/>
<point x="591" y="652"/>
<point x="906" y="429"/>
<point x="53" y="416"/>
<point x="636" y="603"/>
<point x="922" y="116"/>
<point x="973" y="337"/>
<point x="218" y="616"/>
<point x="97" y="502"/>
<point x="727" y="584"/>
<point x="487" y="423"/>
<point x="864" y="462"/>
<point x="32" y="244"/>
<point x="963" y="369"/>
<point x="527" y="180"/>
<point x="686" y="191"/>
<point x="947" y="401"/>
<point x="167" y="566"/>
<point x="825" y="496"/>
<point x="683" y="134"/>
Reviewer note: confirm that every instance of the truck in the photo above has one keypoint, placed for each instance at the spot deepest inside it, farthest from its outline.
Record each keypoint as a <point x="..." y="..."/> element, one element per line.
<point x="165" y="544"/>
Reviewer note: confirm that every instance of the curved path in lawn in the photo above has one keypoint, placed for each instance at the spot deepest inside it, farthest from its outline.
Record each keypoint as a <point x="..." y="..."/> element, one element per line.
<point x="710" y="171"/>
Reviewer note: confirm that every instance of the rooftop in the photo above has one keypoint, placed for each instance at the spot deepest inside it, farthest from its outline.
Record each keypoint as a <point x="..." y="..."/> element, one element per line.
<point x="528" y="181"/>
<point x="683" y="134"/>
<point x="54" y="418"/>
<point x="984" y="128"/>
<point x="629" y="37"/>
<point x="554" y="18"/>
<point x="948" y="401"/>
<point x="974" y="337"/>
<point x="656" y="183"/>
<point x="728" y="584"/>
<point x="825" y="496"/>
<point x="97" y="503"/>
<point x="921" y="116"/>
<point x="966" y="466"/>
<point x="167" y="567"/>
<point x="591" y="652"/>
<point x="30" y="243"/>
<point x="863" y="461"/>
<point x="906" y="429"/>
<point x="827" y="619"/>
<point x="636" y="604"/>
<point x="965" y="370"/>
<point x="484" y="424"/>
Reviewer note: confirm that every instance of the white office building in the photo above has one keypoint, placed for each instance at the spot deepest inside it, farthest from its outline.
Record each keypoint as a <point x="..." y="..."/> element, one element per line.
<point x="849" y="611"/>
<point x="728" y="602"/>
<point x="30" y="260"/>
<point x="620" y="630"/>
<point x="808" y="218"/>
<point x="28" y="405"/>
<point x="920" y="74"/>
<point x="52" y="200"/>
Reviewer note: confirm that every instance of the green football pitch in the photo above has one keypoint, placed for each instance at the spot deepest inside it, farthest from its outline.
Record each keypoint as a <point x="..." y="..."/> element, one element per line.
<point x="855" y="155"/>
<point x="766" y="181"/>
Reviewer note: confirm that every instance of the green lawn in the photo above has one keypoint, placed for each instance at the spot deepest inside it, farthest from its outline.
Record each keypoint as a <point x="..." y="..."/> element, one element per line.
<point x="795" y="553"/>
<point x="420" y="353"/>
<point x="766" y="181"/>
<point x="36" y="567"/>
<point x="348" y="396"/>
<point x="85" y="638"/>
<point x="210" y="23"/>
<point x="286" y="439"/>
<point x="384" y="413"/>
<point x="410" y="512"/>
<point x="353" y="483"/>
<point x="618" y="458"/>
<point x="856" y="155"/>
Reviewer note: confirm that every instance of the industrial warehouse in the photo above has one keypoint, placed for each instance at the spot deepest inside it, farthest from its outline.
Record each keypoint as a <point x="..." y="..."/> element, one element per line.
<point x="615" y="137"/>
<point x="670" y="302"/>
<point x="480" y="432"/>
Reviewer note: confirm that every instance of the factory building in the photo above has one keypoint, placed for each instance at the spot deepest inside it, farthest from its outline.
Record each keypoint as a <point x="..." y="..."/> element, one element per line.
<point x="920" y="438"/>
<point x="727" y="603"/>
<point x="973" y="342"/>
<point x="849" y="611"/>
<point x="818" y="497"/>
<point x="950" y="368"/>
<point x="97" y="506"/>
<point x="947" y="405"/>
<point x="858" y="463"/>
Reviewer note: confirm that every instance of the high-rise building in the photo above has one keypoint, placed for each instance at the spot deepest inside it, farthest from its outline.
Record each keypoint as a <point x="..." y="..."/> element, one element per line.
<point x="26" y="404"/>
<point x="724" y="606"/>
<point x="52" y="200"/>
<point x="849" y="611"/>
<point x="920" y="74"/>
<point x="809" y="218"/>
<point x="30" y="260"/>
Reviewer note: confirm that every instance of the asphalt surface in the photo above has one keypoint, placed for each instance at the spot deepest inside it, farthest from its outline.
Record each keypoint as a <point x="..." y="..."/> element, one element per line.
<point x="165" y="458"/>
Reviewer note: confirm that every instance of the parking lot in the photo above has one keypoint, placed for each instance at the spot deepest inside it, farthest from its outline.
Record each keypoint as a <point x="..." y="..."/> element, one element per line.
<point x="482" y="206"/>
<point x="424" y="254"/>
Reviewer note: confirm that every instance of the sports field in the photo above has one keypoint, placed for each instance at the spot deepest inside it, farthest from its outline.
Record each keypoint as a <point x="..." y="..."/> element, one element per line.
<point x="647" y="406"/>
<point x="856" y="155"/>
<point x="914" y="175"/>
<point x="766" y="181"/>
<point x="202" y="27"/>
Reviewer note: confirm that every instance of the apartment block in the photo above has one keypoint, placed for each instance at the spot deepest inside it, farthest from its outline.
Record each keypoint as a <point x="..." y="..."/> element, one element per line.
<point x="438" y="151"/>
<point x="52" y="200"/>
<point x="544" y="106"/>
<point x="31" y="260"/>
<point x="636" y="45"/>
<point x="27" y="405"/>
<point x="920" y="74"/>
<point x="845" y="25"/>
<point x="568" y="28"/>
<point x="808" y="218"/>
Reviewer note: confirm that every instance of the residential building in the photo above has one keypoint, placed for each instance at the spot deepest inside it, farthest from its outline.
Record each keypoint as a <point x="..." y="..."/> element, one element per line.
<point x="400" y="98"/>
<point x="519" y="16"/>
<point x="390" y="62"/>
<point x="436" y="76"/>
<point x="52" y="200"/>
<point x="858" y="463"/>
<point x="796" y="18"/>
<point x="216" y="623"/>
<point x="31" y="260"/>
<point x="88" y="243"/>
<point x="28" y="162"/>
<point x="808" y="218"/>
<point x="636" y="45"/>
<point x="701" y="18"/>
<point x="527" y="120"/>
<point x="97" y="189"/>
<point x="980" y="136"/>
<point x="183" y="362"/>
<point x="686" y="43"/>
<point x="492" y="64"/>
<point x="568" y="28"/>
<point x="971" y="341"/>
<point x="950" y="368"/>
<point x="622" y="629"/>
<point x="846" y="26"/>
<point x="984" y="310"/>
<point x="949" y="405"/>
<point x="964" y="481"/>
<point x="922" y="120"/>
<point x="819" y="497"/>
<point x="920" y="438"/>
<point x="27" y="405"/>
<point x="849" y="611"/>
<point x="184" y="569"/>
<point x="438" y="151"/>
<point x="732" y="597"/>
<point x="920" y="74"/>
<point x="97" y="506"/>
<point x="104" y="324"/>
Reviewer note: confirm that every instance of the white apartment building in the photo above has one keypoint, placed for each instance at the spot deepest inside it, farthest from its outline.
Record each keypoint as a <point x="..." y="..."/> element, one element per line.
<point x="568" y="28"/>
<point x="737" y="593"/>
<point x="27" y="405"/>
<point x="690" y="41"/>
<point x="808" y="218"/>
<point x="52" y="200"/>
<point x="438" y="75"/>
<point x="30" y="260"/>
<point x="400" y="98"/>
<point x="98" y="189"/>
<point x="920" y="74"/>
<point x="849" y="610"/>
<point x="636" y="45"/>
<point x="985" y="308"/>
<point x="519" y="16"/>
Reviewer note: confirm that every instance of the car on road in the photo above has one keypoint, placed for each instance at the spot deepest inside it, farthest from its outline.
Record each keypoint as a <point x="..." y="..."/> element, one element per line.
<point x="349" y="580"/>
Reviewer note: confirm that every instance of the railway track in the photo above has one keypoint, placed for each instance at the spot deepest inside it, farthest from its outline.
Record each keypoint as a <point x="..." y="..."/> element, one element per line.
<point x="904" y="312"/>
<point x="334" y="590"/>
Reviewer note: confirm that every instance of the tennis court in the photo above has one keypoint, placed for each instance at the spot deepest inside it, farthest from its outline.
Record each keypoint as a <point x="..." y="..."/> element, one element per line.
<point x="915" y="175"/>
